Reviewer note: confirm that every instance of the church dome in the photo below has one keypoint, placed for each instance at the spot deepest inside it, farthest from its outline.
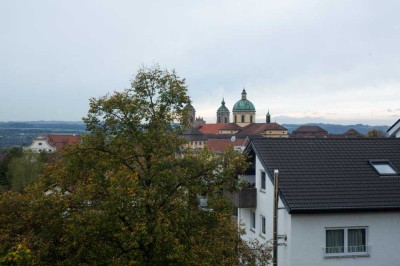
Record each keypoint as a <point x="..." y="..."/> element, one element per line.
<point x="223" y="108"/>
<point x="244" y="105"/>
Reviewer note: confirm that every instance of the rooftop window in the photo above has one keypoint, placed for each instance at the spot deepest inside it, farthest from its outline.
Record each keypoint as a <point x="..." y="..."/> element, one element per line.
<point x="383" y="167"/>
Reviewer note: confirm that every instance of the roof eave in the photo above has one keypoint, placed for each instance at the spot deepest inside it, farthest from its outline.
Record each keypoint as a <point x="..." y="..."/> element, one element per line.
<point x="344" y="210"/>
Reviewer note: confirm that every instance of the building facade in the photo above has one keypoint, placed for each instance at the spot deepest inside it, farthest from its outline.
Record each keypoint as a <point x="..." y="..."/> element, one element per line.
<point x="339" y="200"/>
<point x="52" y="142"/>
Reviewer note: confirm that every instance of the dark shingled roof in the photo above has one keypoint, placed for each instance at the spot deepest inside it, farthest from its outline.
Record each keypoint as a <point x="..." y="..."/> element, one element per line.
<point x="331" y="175"/>
<point x="309" y="129"/>
<point x="352" y="132"/>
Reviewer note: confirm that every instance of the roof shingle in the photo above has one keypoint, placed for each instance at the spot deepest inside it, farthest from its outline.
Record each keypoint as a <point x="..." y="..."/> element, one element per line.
<point x="320" y="175"/>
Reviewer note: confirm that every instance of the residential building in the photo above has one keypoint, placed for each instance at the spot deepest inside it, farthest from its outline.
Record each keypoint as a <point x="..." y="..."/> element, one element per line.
<point x="41" y="144"/>
<point x="338" y="201"/>
<point x="53" y="142"/>
<point x="309" y="131"/>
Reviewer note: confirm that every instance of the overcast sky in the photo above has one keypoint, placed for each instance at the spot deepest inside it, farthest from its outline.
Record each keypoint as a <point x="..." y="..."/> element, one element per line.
<point x="306" y="61"/>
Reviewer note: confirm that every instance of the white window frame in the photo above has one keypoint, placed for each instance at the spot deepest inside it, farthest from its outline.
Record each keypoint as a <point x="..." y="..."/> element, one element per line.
<point x="377" y="163"/>
<point x="262" y="189"/>
<point x="253" y="222"/>
<point x="263" y="225"/>
<point x="346" y="252"/>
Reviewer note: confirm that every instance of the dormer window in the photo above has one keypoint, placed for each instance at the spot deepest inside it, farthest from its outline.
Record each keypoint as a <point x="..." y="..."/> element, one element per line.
<point x="383" y="167"/>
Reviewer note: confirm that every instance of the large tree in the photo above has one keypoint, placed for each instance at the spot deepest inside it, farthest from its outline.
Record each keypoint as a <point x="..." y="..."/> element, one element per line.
<point x="9" y="155"/>
<point x="129" y="193"/>
<point x="24" y="170"/>
<point x="375" y="133"/>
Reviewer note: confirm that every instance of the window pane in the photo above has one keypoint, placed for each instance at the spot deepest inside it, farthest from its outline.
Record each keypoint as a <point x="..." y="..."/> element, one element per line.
<point x="263" y="180"/>
<point x="335" y="241"/>
<point x="356" y="240"/>
<point x="384" y="168"/>
<point x="263" y="225"/>
<point x="253" y="220"/>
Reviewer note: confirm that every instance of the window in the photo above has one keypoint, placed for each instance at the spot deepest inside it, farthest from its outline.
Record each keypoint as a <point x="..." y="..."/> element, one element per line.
<point x="219" y="119"/>
<point x="226" y="120"/>
<point x="251" y="119"/>
<point x="263" y="180"/>
<point x="252" y="221"/>
<point x="346" y="241"/>
<point x="235" y="119"/>
<point x="262" y="225"/>
<point x="242" y="118"/>
<point x="383" y="167"/>
<point x="40" y="144"/>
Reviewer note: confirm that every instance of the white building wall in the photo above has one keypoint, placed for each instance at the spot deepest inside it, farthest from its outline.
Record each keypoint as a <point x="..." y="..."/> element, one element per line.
<point x="265" y="201"/>
<point x="39" y="145"/>
<point x="306" y="233"/>
<point x="308" y="238"/>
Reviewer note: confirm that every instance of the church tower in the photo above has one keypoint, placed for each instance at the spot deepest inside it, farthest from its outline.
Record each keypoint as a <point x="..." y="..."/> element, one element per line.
<point x="244" y="112"/>
<point x="223" y="113"/>
<point x="268" y="118"/>
<point x="191" y="113"/>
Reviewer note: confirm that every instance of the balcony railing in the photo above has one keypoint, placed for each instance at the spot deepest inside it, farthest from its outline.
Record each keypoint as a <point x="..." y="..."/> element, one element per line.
<point x="245" y="198"/>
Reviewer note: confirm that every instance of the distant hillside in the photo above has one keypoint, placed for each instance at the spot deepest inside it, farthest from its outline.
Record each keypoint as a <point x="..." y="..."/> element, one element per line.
<point x="339" y="129"/>
<point x="21" y="133"/>
<point x="53" y="125"/>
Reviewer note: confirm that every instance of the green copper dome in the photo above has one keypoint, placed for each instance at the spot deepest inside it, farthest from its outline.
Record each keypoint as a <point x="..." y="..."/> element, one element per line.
<point x="223" y="108"/>
<point x="244" y="105"/>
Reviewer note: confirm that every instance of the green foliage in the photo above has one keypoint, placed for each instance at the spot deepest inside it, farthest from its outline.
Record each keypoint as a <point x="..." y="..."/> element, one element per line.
<point x="19" y="255"/>
<point x="24" y="170"/>
<point x="128" y="195"/>
<point x="10" y="154"/>
<point x="376" y="134"/>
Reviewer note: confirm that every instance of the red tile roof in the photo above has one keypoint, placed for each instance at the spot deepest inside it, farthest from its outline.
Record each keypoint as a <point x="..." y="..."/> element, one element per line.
<point x="210" y="128"/>
<point x="231" y="126"/>
<point x="60" y="141"/>
<point x="251" y="129"/>
<point x="222" y="144"/>
<point x="259" y="128"/>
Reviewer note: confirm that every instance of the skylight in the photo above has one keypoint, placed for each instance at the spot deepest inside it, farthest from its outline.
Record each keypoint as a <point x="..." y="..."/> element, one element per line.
<point x="383" y="167"/>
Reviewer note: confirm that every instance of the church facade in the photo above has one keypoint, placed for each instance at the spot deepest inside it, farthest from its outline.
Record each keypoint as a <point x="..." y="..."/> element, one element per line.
<point x="242" y="126"/>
